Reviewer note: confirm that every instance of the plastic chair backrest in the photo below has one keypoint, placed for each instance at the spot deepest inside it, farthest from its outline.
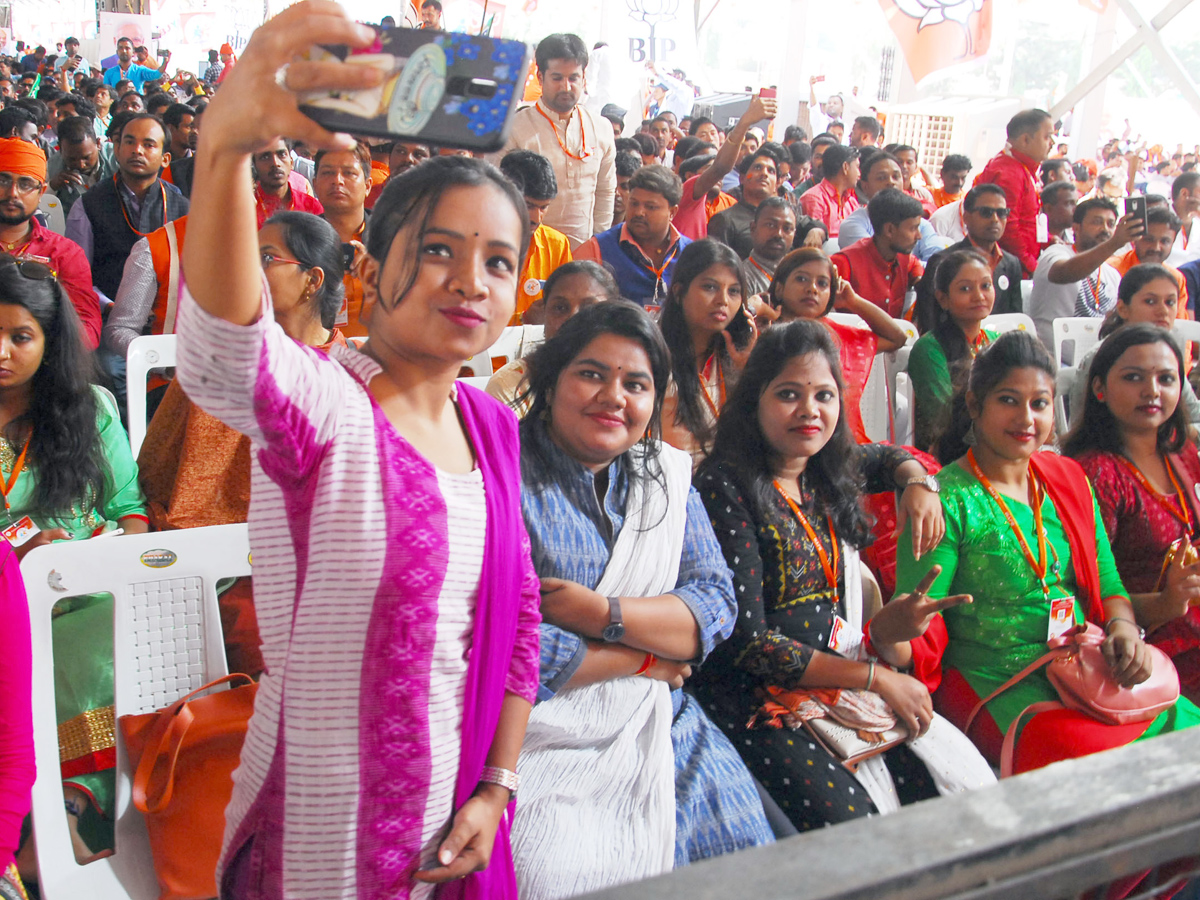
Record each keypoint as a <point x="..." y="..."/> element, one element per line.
<point x="1064" y="381"/>
<point x="1185" y="331"/>
<point x="56" y="217"/>
<point x="514" y="342"/>
<point x="875" y="407"/>
<point x="903" y="422"/>
<point x="164" y="591"/>
<point x="149" y="351"/>
<point x="1074" y="337"/>
<point x="1010" y="322"/>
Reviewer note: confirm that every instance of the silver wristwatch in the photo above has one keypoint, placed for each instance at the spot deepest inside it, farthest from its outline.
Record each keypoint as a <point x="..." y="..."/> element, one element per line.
<point x="927" y="481"/>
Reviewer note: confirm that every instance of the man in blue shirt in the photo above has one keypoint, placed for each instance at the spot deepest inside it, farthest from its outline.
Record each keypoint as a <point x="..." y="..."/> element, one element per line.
<point x="135" y="72"/>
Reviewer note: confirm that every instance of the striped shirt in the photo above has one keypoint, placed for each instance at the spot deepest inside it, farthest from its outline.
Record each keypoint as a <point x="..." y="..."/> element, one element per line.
<point x="350" y="537"/>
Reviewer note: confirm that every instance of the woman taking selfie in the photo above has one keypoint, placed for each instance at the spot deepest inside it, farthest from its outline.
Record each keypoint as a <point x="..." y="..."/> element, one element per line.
<point x="385" y="513"/>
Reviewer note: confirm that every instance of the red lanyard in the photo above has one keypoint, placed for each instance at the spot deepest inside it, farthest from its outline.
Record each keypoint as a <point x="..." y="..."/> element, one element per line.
<point x="981" y="340"/>
<point x="1040" y="566"/>
<point x="1184" y="514"/>
<point x="18" y="467"/>
<point x="830" y="566"/>
<point x="125" y="212"/>
<point x="715" y="407"/>
<point x="583" y="150"/>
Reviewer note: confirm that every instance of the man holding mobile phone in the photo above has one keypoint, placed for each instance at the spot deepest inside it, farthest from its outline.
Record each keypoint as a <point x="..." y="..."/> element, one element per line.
<point x="1154" y="246"/>
<point x="71" y="61"/>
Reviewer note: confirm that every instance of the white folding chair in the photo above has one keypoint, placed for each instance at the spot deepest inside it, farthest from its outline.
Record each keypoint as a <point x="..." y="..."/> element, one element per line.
<point x="1074" y="337"/>
<point x="514" y="342"/>
<point x="167" y="641"/>
<point x="56" y="217"/>
<point x="1064" y="382"/>
<point x="149" y="351"/>
<point x="1009" y="322"/>
<point x="903" y="422"/>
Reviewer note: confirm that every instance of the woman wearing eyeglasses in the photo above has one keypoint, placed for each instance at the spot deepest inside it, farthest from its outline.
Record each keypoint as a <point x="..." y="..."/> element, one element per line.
<point x="195" y="470"/>
<point x="66" y="473"/>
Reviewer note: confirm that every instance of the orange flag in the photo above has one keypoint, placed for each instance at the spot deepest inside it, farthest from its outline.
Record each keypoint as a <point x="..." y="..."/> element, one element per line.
<point x="936" y="34"/>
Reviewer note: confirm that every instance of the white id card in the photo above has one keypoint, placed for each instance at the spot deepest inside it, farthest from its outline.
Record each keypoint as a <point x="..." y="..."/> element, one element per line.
<point x="1062" y="617"/>
<point x="1043" y="229"/>
<point x="843" y="639"/>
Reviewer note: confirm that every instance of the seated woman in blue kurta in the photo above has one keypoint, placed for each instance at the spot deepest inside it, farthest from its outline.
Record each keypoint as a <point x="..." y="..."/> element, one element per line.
<point x="618" y="763"/>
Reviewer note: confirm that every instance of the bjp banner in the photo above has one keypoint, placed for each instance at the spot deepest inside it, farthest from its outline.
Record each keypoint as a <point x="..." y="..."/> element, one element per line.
<point x="937" y="34"/>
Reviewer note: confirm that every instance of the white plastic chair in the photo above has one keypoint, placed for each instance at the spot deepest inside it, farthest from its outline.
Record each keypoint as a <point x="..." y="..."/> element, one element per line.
<point x="876" y="403"/>
<point x="1064" y="382"/>
<point x="167" y="641"/>
<point x="149" y="351"/>
<point x="1010" y="322"/>
<point x="56" y="217"/>
<point x="904" y="421"/>
<point x="1074" y="337"/>
<point x="514" y="342"/>
<point x="1186" y="331"/>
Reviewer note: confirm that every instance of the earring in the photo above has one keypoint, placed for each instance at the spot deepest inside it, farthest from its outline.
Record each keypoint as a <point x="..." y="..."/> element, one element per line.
<point x="1100" y="396"/>
<point x="969" y="437"/>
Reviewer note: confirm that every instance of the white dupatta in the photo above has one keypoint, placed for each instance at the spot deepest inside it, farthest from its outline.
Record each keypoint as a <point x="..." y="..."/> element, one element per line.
<point x="954" y="763"/>
<point x="597" y="800"/>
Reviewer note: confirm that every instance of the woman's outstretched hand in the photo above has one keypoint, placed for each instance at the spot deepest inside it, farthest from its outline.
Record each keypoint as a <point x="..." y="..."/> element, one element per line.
<point x="253" y="107"/>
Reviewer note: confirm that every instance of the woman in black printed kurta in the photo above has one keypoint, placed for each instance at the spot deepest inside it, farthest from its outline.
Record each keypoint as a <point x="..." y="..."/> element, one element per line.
<point x="763" y="461"/>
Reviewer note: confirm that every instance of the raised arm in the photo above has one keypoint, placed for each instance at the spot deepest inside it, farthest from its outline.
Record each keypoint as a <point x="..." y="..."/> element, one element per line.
<point x="758" y="110"/>
<point x="221" y="253"/>
<point x="891" y="335"/>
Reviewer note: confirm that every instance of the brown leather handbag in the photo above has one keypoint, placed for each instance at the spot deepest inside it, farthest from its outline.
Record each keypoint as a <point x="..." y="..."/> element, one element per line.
<point x="183" y="759"/>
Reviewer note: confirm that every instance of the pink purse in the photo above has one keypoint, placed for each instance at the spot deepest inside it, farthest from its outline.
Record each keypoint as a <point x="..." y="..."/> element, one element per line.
<point x="1083" y="679"/>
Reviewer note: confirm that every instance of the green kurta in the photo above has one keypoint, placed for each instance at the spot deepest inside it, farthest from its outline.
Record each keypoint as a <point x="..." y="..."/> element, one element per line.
<point x="1006" y="627"/>
<point x="83" y="629"/>
<point x="933" y="387"/>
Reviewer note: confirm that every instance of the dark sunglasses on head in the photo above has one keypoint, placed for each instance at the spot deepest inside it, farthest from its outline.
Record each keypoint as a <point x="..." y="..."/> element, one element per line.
<point x="29" y="268"/>
<point x="991" y="212"/>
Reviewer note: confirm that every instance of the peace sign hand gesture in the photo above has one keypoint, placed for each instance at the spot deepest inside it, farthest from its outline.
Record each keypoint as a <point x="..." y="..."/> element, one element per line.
<point x="907" y="617"/>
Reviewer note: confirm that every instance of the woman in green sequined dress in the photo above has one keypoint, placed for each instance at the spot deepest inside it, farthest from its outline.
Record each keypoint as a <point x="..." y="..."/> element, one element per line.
<point x="1014" y="578"/>
<point x="67" y="474"/>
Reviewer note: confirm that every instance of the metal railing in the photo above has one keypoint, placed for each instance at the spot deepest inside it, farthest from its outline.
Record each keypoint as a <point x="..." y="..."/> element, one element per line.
<point x="1055" y="833"/>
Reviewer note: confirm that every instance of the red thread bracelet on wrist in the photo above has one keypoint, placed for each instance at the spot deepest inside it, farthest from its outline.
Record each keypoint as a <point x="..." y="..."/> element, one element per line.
<point x="647" y="664"/>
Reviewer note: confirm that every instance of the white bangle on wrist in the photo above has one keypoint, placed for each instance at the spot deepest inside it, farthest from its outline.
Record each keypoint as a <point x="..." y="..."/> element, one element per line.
<point x="505" y="778"/>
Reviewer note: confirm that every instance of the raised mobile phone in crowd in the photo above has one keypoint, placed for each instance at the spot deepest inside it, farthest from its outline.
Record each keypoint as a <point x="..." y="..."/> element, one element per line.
<point x="439" y="87"/>
<point x="1136" y="206"/>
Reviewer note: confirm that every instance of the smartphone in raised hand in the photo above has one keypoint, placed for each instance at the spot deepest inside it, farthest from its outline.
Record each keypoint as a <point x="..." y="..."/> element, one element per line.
<point x="442" y="88"/>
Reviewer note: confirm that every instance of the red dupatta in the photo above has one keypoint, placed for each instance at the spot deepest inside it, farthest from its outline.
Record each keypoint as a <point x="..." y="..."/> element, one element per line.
<point x="856" y="348"/>
<point x="1071" y="493"/>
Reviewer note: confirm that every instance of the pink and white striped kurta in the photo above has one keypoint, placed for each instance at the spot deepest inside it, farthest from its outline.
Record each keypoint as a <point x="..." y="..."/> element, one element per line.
<point x="348" y="529"/>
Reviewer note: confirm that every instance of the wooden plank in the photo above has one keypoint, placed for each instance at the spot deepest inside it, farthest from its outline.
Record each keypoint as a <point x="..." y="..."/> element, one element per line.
<point x="1063" y="828"/>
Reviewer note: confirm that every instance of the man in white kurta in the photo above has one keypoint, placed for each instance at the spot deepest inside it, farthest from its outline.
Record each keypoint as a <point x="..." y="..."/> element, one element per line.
<point x="578" y="143"/>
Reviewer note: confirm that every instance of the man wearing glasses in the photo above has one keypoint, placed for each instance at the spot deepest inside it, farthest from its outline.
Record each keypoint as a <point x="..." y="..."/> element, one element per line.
<point x="984" y="215"/>
<point x="22" y="183"/>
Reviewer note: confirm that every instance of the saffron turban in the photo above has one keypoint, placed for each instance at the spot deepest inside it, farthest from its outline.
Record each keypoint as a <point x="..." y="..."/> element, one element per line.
<point x="22" y="158"/>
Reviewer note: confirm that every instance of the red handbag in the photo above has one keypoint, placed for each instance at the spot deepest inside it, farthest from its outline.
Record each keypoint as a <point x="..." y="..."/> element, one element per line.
<point x="183" y="759"/>
<point x="1076" y="667"/>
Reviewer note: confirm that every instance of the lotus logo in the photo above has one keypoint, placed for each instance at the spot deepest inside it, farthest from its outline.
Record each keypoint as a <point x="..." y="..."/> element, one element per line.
<point x="653" y="13"/>
<point x="934" y="12"/>
<point x="158" y="559"/>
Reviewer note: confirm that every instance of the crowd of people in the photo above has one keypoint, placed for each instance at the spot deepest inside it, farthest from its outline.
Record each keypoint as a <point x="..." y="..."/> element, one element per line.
<point x="625" y="585"/>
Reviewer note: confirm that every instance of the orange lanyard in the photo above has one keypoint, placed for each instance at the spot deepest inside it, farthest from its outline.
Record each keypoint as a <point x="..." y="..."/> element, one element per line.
<point x="583" y="150"/>
<point x="125" y="212"/>
<point x="1040" y="566"/>
<point x="658" y="273"/>
<point x="830" y="566"/>
<point x="18" y="467"/>
<point x="715" y="407"/>
<point x="1184" y="514"/>
<point x="750" y="259"/>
